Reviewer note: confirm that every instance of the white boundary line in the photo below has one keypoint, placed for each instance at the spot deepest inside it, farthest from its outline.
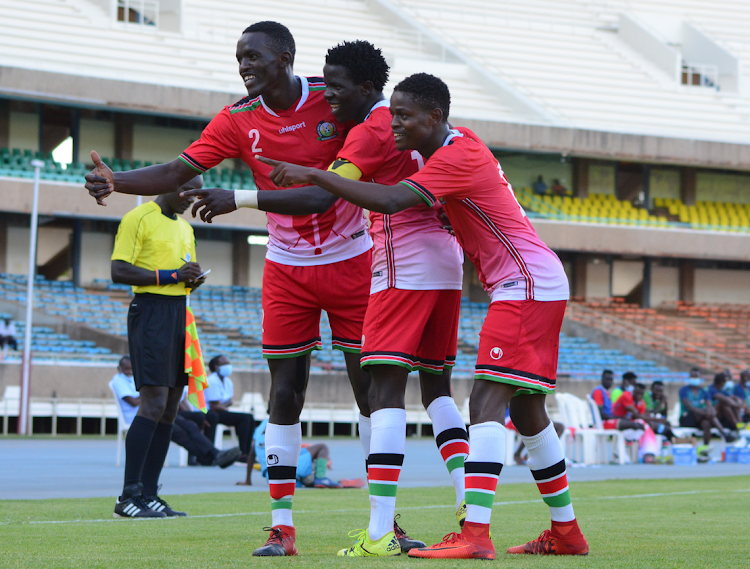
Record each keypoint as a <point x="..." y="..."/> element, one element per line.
<point x="630" y="497"/>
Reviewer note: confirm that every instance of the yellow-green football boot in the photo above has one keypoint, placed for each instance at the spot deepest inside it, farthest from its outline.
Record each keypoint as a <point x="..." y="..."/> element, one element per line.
<point x="386" y="546"/>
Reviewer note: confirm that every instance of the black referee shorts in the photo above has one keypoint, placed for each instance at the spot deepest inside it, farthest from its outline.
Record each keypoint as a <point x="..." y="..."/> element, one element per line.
<point x="156" y="336"/>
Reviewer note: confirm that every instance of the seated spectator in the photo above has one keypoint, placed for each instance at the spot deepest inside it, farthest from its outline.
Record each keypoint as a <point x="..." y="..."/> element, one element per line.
<point x="540" y="188"/>
<point x="312" y="466"/>
<point x="696" y="409"/>
<point x="219" y="397"/>
<point x="601" y="397"/>
<point x="742" y="392"/>
<point x="630" y="406"/>
<point x="729" y="409"/>
<point x="558" y="189"/>
<point x="184" y="432"/>
<point x="8" y="335"/>
<point x="656" y="400"/>
<point x="628" y="384"/>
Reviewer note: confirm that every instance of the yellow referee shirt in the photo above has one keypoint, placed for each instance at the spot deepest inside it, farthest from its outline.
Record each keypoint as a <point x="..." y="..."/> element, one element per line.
<point x="149" y="239"/>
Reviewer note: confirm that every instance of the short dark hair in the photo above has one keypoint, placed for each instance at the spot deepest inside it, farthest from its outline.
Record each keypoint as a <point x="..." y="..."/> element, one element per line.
<point x="364" y="61"/>
<point x="280" y="37"/>
<point x="719" y="377"/>
<point x="629" y="375"/>
<point x="657" y="383"/>
<point x="640" y="386"/>
<point x="428" y="91"/>
<point x="607" y="371"/>
<point x="122" y="359"/>
<point x="213" y="364"/>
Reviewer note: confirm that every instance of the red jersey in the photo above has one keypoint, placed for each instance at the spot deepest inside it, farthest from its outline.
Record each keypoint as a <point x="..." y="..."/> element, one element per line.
<point x="625" y="400"/>
<point x="412" y="250"/>
<point x="491" y="226"/>
<point x="306" y="133"/>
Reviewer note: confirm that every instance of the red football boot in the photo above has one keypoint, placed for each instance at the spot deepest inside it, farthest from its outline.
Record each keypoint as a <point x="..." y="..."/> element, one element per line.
<point x="280" y="542"/>
<point x="565" y="538"/>
<point x="472" y="543"/>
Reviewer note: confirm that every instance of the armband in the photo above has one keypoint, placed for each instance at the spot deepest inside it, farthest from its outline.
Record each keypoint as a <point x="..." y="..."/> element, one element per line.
<point x="345" y="169"/>
<point x="246" y="198"/>
<point x="167" y="277"/>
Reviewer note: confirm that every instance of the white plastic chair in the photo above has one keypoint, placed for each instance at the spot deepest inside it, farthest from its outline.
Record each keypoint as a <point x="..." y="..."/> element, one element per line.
<point x="618" y="437"/>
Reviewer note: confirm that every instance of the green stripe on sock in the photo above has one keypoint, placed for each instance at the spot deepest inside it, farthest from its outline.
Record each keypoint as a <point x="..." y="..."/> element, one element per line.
<point x="455" y="462"/>
<point x="558" y="501"/>
<point x="479" y="499"/>
<point x="283" y="504"/>
<point x="388" y="490"/>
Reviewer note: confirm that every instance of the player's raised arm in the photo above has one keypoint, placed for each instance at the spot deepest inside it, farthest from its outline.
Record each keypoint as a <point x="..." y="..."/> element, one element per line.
<point x="149" y="181"/>
<point x="374" y="197"/>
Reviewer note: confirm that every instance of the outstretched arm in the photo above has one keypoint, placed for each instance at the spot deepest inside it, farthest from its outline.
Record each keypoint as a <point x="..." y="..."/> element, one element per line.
<point x="149" y="181"/>
<point x="374" y="197"/>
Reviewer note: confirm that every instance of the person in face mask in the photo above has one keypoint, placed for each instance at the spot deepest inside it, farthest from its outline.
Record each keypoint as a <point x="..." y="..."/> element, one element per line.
<point x="629" y="380"/>
<point x="219" y="397"/>
<point x="696" y="410"/>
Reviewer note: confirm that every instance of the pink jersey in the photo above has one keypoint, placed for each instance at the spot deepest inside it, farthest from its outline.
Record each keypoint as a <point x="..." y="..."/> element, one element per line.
<point x="412" y="250"/>
<point x="511" y="261"/>
<point x="307" y="134"/>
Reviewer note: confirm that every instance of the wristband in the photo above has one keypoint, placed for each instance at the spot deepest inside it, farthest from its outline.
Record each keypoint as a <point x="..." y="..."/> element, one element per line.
<point x="167" y="277"/>
<point x="246" y="198"/>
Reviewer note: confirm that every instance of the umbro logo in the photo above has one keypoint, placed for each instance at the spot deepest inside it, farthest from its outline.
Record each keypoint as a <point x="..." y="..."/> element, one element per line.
<point x="496" y="353"/>
<point x="272" y="459"/>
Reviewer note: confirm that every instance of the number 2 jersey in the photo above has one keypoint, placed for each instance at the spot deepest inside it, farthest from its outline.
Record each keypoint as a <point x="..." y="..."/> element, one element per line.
<point x="307" y="134"/>
<point x="511" y="260"/>
<point x="412" y="250"/>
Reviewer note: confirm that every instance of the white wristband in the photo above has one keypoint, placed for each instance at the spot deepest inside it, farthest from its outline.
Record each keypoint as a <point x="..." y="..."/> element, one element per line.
<point x="246" y="198"/>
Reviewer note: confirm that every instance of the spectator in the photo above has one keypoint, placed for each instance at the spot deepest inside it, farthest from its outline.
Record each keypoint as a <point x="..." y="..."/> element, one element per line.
<point x="630" y="406"/>
<point x="312" y="467"/>
<point x="540" y="188"/>
<point x="8" y="335"/>
<point x="558" y="189"/>
<point x="601" y="397"/>
<point x="696" y="410"/>
<point x="742" y="393"/>
<point x="184" y="432"/>
<point x="728" y="408"/>
<point x="656" y="400"/>
<point x="219" y="397"/>
<point x="628" y="384"/>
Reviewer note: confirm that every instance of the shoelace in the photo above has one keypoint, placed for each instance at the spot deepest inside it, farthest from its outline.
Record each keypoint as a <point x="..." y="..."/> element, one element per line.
<point x="400" y="533"/>
<point x="542" y="544"/>
<point x="276" y="536"/>
<point x="140" y="502"/>
<point x="450" y="539"/>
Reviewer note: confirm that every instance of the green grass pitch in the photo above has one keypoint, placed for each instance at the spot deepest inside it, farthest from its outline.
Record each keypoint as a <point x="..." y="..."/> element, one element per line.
<point x="667" y="523"/>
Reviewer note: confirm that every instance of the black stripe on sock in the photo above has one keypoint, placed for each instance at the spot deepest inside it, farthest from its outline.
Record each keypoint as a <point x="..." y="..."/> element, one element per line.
<point x="482" y="468"/>
<point x="549" y="472"/>
<point x="451" y="435"/>
<point x="282" y="472"/>
<point x="385" y="459"/>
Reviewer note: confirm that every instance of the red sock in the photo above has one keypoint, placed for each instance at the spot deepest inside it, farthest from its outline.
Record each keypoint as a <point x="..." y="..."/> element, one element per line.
<point x="475" y="532"/>
<point x="566" y="529"/>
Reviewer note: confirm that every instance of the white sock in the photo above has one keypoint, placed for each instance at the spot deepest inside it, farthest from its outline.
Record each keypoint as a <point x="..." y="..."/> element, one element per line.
<point x="483" y="466"/>
<point x="365" y="434"/>
<point x="283" y="443"/>
<point x="452" y="440"/>
<point x="386" y="458"/>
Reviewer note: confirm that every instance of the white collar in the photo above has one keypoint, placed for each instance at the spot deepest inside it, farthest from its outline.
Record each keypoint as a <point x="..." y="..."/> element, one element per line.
<point x="453" y="134"/>
<point x="383" y="103"/>
<point x="302" y="99"/>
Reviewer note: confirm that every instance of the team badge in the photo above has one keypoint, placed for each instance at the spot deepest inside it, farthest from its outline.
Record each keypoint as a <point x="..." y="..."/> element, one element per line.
<point x="496" y="353"/>
<point x="326" y="130"/>
<point x="272" y="459"/>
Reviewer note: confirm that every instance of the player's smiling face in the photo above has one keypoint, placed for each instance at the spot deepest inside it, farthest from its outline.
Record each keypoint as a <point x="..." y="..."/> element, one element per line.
<point x="348" y="100"/>
<point x="259" y="63"/>
<point x="412" y="126"/>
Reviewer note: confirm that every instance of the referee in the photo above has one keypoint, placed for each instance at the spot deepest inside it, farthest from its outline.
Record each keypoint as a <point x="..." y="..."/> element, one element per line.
<point x="155" y="253"/>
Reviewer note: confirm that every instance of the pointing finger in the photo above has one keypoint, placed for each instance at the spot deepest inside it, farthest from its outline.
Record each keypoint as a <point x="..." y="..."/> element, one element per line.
<point x="268" y="161"/>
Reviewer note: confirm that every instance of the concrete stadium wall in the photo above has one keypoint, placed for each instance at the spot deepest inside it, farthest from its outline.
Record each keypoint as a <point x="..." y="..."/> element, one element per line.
<point x="722" y="285"/>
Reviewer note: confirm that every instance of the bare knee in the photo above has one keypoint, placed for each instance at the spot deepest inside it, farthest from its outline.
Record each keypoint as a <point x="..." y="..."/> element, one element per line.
<point x="433" y="386"/>
<point x="153" y="402"/>
<point x="489" y="400"/>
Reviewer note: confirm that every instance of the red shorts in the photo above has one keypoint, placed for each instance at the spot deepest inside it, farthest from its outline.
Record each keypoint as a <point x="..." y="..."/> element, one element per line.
<point x="294" y="296"/>
<point x="519" y="344"/>
<point x="415" y="329"/>
<point x="610" y="423"/>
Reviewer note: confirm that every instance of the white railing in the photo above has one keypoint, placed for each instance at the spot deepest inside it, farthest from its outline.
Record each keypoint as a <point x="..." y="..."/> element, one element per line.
<point x="138" y="12"/>
<point x="643" y="336"/>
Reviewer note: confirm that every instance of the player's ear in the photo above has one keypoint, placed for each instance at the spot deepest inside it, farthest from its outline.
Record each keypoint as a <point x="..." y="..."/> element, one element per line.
<point x="366" y="88"/>
<point x="285" y="59"/>
<point x="436" y="116"/>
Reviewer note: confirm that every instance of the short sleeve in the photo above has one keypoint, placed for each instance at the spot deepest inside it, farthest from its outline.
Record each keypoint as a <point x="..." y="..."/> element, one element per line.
<point x="213" y="391"/>
<point x="217" y="143"/>
<point x="129" y="239"/>
<point x="445" y="174"/>
<point x="598" y="397"/>
<point x="626" y="399"/>
<point x="364" y="149"/>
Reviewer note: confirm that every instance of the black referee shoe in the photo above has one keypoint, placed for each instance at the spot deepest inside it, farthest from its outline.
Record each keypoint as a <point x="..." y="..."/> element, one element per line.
<point x="161" y="507"/>
<point x="135" y="507"/>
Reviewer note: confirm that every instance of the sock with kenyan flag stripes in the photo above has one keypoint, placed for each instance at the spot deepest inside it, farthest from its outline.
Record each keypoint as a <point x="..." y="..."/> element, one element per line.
<point x="384" y="467"/>
<point x="483" y="466"/>
<point x="451" y="439"/>
<point x="547" y="464"/>
<point x="283" y="443"/>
